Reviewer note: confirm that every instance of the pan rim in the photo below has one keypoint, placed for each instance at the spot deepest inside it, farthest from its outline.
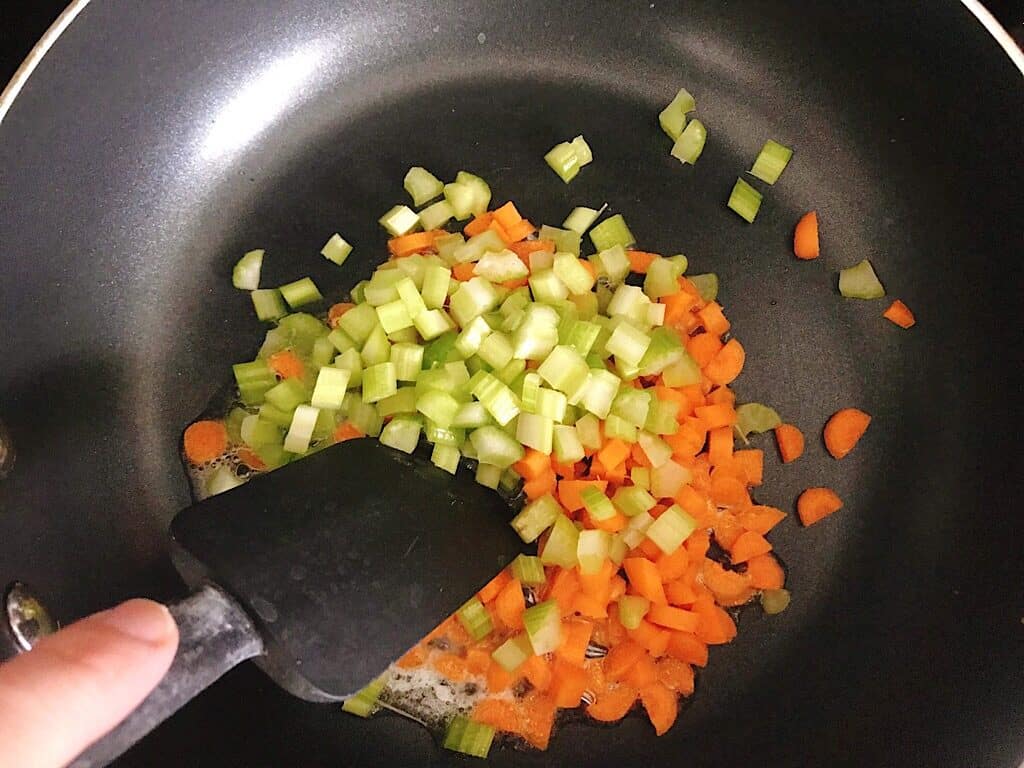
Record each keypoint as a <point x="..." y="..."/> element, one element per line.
<point x="71" y="12"/>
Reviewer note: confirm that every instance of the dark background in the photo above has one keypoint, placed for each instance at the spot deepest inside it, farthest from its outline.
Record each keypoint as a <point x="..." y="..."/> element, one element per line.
<point x="22" y="24"/>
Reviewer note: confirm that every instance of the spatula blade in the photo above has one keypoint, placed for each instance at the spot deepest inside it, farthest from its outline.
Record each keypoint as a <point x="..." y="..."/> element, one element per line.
<point x="346" y="558"/>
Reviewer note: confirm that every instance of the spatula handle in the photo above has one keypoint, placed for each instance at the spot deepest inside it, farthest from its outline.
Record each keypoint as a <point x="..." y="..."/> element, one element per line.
<point x="215" y="636"/>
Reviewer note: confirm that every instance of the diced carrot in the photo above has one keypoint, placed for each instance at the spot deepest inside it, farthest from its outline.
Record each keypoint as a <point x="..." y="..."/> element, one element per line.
<point x="752" y="462"/>
<point x="569" y="492"/>
<point x="335" y="313"/>
<point x="696" y="505"/>
<point x="616" y="474"/>
<point x="790" y="441"/>
<point x="644" y="577"/>
<point x="533" y="464"/>
<point x="521" y="229"/>
<point x="678" y="619"/>
<point x="513" y="284"/>
<point x="844" y="429"/>
<point x="617" y="588"/>
<point x="621" y="658"/>
<point x="541" y="485"/>
<point x="639" y="261"/>
<point x="729" y="587"/>
<point x="250" y="459"/>
<point x="644" y="672"/>
<point x="507" y="215"/>
<point x="494" y="586"/>
<point x="613" y="453"/>
<point x="697" y="545"/>
<point x="721" y="394"/>
<point x="478" y="660"/>
<point x="727" y="363"/>
<point x="506" y="238"/>
<point x="566" y="471"/>
<point x="612" y="524"/>
<point x="671" y="567"/>
<point x="720" y="442"/>
<point x="748" y="545"/>
<point x="765" y="572"/>
<point x="677" y="307"/>
<point x="564" y="585"/>
<point x="805" y="238"/>
<point x="537" y="670"/>
<point x="713" y="319"/>
<point x="715" y="416"/>
<point x="817" y="503"/>
<point x="689" y="648"/>
<point x="205" y="441"/>
<point x="413" y="658"/>
<point x="406" y="245"/>
<point x="676" y="675"/>
<point x="536" y="718"/>
<point x="479" y="224"/>
<point x="703" y="347"/>
<point x="687" y="441"/>
<point x="648" y="548"/>
<point x="681" y="591"/>
<point x="287" y="364"/>
<point x="451" y="666"/>
<point x="347" y="431"/>
<point x="900" y="313"/>
<point x="498" y="679"/>
<point x="727" y="529"/>
<point x="589" y="267"/>
<point x="729" y="492"/>
<point x="611" y="705"/>
<point x="760" y="519"/>
<point x="575" y="639"/>
<point x="637" y="456"/>
<point x="716" y="626"/>
<point x="598" y="584"/>
<point x="591" y="607"/>
<point x="500" y="714"/>
<point x="568" y="683"/>
<point x="509" y="604"/>
<point x="662" y="706"/>
<point x="524" y="248"/>
<point x="650" y="637"/>
<point x="614" y="632"/>
<point x="688" y="286"/>
<point x="463" y="272"/>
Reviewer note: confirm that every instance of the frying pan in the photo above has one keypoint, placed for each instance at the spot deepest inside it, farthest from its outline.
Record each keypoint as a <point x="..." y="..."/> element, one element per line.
<point x="154" y="143"/>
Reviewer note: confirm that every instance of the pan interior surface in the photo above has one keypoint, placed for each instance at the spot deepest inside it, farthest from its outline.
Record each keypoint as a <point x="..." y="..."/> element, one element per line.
<point x="150" y="150"/>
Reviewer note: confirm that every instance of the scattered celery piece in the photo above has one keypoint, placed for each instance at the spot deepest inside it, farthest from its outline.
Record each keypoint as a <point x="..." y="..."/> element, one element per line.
<point x="336" y="249"/>
<point x="771" y="161"/>
<point x="246" y="274"/>
<point x="300" y="293"/>
<point x="690" y="143"/>
<point x="860" y="282"/>
<point x="745" y="201"/>
<point x="422" y="185"/>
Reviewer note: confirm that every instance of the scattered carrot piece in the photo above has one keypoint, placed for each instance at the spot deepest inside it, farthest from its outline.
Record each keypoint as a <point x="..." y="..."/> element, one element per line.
<point x="675" y="675"/>
<point x="575" y="639"/>
<point x="509" y="604"/>
<point x="205" y="441"/>
<point x="479" y="224"/>
<point x="533" y="464"/>
<point x="817" y="503"/>
<point x="644" y="577"/>
<point x="790" y="441"/>
<point x="287" y="364"/>
<point x="406" y="245"/>
<point x="729" y="587"/>
<point x="844" y="429"/>
<point x="662" y="706"/>
<point x="668" y="617"/>
<point x="900" y="313"/>
<point x="621" y="658"/>
<point x="613" y="453"/>
<point x="613" y="704"/>
<point x="689" y="648"/>
<point x="805" y="238"/>
<point x="464" y="272"/>
<point x="568" y="683"/>
<point x="748" y="545"/>
<point x="765" y="572"/>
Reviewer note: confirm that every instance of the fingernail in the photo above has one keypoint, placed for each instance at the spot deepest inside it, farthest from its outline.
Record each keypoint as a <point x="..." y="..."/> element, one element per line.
<point x="142" y="620"/>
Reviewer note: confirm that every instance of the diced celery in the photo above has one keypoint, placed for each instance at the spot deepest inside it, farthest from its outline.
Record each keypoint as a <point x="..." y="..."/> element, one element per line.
<point x="359" y="322"/>
<point x="661" y="419"/>
<point x="446" y="245"/>
<point x="547" y="287"/>
<point x="551" y="404"/>
<point x="564" y="369"/>
<point x="536" y="517"/>
<point x="671" y="528"/>
<point x="336" y="249"/>
<point x="365" y="417"/>
<point x="636" y="529"/>
<point x="257" y="432"/>
<point x="656" y="449"/>
<point x="535" y="431"/>
<point x="438" y="406"/>
<point x="435" y="285"/>
<point x="422" y="185"/>
<point x="673" y="117"/>
<point x="268" y="303"/>
<point x="446" y="457"/>
<point x="377" y="348"/>
<point x="529" y="570"/>
<point x="706" y="285"/>
<point x="394" y="316"/>
<point x="617" y="428"/>
<point x="537" y="335"/>
<point x="513" y="653"/>
<point x="640" y="477"/>
<point x="460" y="197"/>
<point x="543" y="624"/>
<point x="612" y="262"/>
<point x="246" y="274"/>
<point x="567" y="445"/>
<point x="682" y="373"/>
<point x="860" y="282"/>
<point x="475" y="618"/>
<point x="601" y="389"/>
<point x="632" y="500"/>
<point x="662" y="278"/>
<point x="329" y="391"/>
<point x="564" y="161"/>
<point x="403" y="401"/>
<point x="599" y="506"/>
<point x="410" y="296"/>
<point x="632" y="405"/>
<point x="400" y="220"/>
<point x="628" y="344"/>
<point x="581" y="219"/>
<point x="437" y="215"/>
<point x="510" y="371"/>
<point x="496" y="349"/>
<point x="301" y="430"/>
<point x="379" y="381"/>
<point x="408" y="360"/>
<point x="632" y="609"/>
<point x="474" y="249"/>
<point x="474" y="297"/>
<point x="287" y="394"/>
<point x="592" y="549"/>
<point x="430" y="324"/>
<point x="364" y="703"/>
<point x="667" y="479"/>
<point x="452" y="436"/>
<point x="481" y="192"/>
<point x="300" y="293"/>
<point x="487" y="475"/>
<point x="745" y="201"/>
<point x="611" y="232"/>
<point x="497" y="398"/>
<point x="565" y="240"/>
<point x="771" y="161"/>
<point x="618" y="550"/>
<point x="583" y="151"/>
<point x="495" y="446"/>
<point x="690" y="143"/>
<point x="530" y="387"/>
<point x="275" y="415"/>
<point x="757" y="418"/>
<point x="571" y="272"/>
<point x="588" y="429"/>
<point x="500" y="266"/>
<point x="401" y="433"/>
<point x="254" y="380"/>
<point x="351" y="361"/>
<point x="775" y="601"/>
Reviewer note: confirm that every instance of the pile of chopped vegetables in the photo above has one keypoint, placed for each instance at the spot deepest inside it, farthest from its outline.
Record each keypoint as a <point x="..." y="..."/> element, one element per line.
<point x="599" y="385"/>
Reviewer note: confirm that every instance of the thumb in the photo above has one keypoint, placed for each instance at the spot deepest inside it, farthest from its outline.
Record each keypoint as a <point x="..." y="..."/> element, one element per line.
<point x="79" y="683"/>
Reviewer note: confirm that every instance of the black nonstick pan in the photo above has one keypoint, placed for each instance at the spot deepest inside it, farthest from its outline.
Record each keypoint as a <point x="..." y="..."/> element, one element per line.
<point x="156" y="142"/>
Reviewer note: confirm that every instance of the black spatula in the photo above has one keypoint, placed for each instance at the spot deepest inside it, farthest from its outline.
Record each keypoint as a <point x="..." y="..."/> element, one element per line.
<point x="324" y="571"/>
